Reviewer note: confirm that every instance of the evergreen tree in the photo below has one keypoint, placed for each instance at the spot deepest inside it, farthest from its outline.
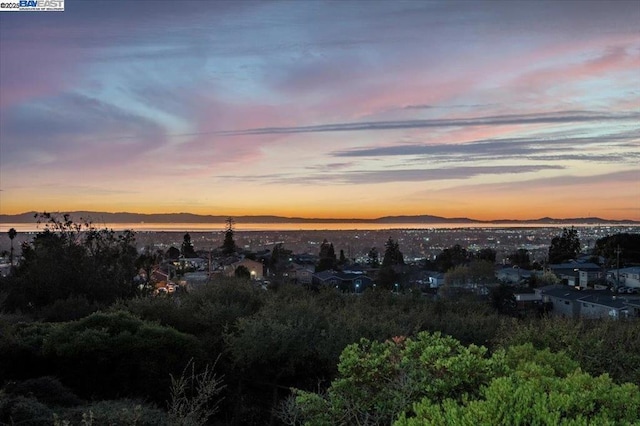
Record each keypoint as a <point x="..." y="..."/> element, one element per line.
<point x="229" y="245"/>
<point x="392" y="254"/>
<point x="328" y="258"/>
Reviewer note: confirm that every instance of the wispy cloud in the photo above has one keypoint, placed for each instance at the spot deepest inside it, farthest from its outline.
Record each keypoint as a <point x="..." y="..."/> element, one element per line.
<point x="399" y="175"/>
<point x="537" y="147"/>
<point x="559" y="117"/>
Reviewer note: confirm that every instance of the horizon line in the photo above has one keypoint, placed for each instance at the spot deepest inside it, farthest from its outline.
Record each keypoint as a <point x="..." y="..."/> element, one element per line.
<point x="321" y="219"/>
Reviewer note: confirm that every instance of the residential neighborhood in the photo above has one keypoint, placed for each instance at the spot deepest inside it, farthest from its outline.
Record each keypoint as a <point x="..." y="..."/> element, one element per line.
<point x="584" y="287"/>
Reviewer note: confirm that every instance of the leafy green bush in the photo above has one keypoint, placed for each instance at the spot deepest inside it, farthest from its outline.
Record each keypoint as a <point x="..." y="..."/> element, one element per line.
<point x="379" y="380"/>
<point x="21" y="351"/>
<point x="435" y="380"/>
<point x="531" y="397"/>
<point x="599" y="346"/>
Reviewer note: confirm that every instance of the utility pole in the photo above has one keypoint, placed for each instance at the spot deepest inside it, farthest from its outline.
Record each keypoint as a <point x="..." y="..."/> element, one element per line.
<point x="617" y="268"/>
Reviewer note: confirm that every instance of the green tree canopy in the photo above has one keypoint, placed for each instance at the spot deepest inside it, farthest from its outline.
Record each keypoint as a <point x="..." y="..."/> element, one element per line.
<point x="73" y="259"/>
<point x="565" y="246"/>
<point x="532" y="397"/>
<point x="452" y="256"/>
<point x="628" y="244"/>
<point x="434" y="380"/>
<point x="379" y="380"/>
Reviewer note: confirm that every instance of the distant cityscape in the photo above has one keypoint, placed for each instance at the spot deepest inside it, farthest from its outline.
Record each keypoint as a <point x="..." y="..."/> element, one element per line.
<point x="416" y="244"/>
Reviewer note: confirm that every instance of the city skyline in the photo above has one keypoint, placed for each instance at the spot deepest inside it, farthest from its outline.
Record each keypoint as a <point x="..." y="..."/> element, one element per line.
<point x="487" y="109"/>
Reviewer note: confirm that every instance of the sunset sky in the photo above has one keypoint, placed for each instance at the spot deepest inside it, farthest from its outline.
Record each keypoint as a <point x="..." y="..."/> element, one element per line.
<point x="323" y="109"/>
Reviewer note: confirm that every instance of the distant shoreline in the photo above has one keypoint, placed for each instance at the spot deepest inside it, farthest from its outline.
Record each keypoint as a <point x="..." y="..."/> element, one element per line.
<point x="310" y="226"/>
<point x="210" y="220"/>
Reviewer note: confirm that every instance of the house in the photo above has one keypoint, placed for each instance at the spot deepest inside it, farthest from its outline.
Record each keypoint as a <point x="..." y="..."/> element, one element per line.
<point x="562" y="299"/>
<point x="190" y="263"/>
<point x="435" y="279"/>
<point x="255" y="268"/>
<point x="300" y="274"/>
<point x="629" y="277"/>
<point x="513" y="274"/>
<point x="570" y="302"/>
<point x="347" y="282"/>
<point x="577" y="274"/>
<point x="601" y="306"/>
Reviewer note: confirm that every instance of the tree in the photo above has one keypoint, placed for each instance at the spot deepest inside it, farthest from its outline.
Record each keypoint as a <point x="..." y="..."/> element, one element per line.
<point x="450" y="257"/>
<point x="379" y="380"/>
<point x="628" y="246"/>
<point x="242" y="272"/>
<point x="388" y="275"/>
<point x="477" y="272"/>
<point x="520" y="258"/>
<point x="229" y="245"/>
<point x="435" y="380"/>
<point x="147" y="261"/>
<point x="279" y="259"/>
<point x="533" y="397"/>
<point x="12" y="234"/>
<point x="486" y="254"/>
<point x="564" y="247"/>
<point x="187" y="247"/>
<point x="343" y="258"/>
<point x="328" y="259"/>
<point x="373" y="258"/>
<point x="73" y="259"/>
<point x="392" y="254"/>
<point x="173" y="253"/>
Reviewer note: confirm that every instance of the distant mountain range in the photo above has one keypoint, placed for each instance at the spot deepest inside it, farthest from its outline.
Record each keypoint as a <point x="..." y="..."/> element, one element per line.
<point x="123" y="217"/>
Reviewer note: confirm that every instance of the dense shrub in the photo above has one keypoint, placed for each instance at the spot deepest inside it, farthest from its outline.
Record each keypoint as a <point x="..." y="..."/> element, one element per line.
<point x="47" y="390"/>
<point x="114" y="412"/>
<point x="379" y="380"/>
<point x="531" y="397"/>
<point x="73" y="308"/>
<point x="125" y="355"/>
<point x="434" y="380"/>
<point x="18" y="410"/>
<point x="599" y="346"/>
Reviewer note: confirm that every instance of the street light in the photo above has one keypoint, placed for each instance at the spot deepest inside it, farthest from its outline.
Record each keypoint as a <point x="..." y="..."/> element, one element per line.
<point x="357" y="288"/>
<point x="396" y="286"/>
